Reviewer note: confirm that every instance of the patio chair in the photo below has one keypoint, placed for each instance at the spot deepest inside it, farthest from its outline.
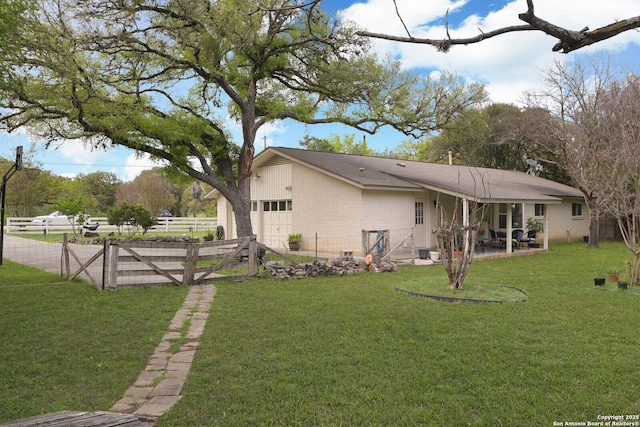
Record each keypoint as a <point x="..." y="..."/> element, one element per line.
<point x="518" y="237"/>
<point x="495" y="241"/>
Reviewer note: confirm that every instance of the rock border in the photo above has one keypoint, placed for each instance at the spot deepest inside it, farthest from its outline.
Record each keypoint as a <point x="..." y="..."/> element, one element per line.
<point x="454" y="299"/>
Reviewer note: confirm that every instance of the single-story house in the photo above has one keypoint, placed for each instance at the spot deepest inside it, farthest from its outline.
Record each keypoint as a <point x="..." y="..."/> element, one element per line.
<point x="334" y="200"/>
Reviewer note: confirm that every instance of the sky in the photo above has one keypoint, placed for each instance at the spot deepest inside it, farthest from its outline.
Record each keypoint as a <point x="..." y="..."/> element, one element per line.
<point x="508" y="65"/>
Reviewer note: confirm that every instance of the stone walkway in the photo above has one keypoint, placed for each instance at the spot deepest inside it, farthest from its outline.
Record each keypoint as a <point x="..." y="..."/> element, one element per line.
<point x="158" y="387"/>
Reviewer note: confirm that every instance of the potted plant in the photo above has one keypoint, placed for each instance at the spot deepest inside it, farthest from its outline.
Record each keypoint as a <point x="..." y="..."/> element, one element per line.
<point x="209" y="236"/>
<point x="613" y="274"/>
<point x="294" y="240"/>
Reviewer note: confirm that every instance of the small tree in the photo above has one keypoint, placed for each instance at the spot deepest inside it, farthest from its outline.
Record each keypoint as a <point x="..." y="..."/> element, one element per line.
<point x="456" y="235"/>
<point x="131" y="217"/>
<point x="74" y="209"/>
<point x="618" y="163"/>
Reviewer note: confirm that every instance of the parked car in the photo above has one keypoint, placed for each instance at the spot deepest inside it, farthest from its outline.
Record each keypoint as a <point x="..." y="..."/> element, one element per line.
<point x="165" y="214"/>
<point x="54" y="218"/>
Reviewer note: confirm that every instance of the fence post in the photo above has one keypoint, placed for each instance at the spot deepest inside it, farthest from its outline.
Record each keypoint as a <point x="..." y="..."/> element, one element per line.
<point x="105" y="262"/>
<point x="253" y="256"/>
<point x="65" y="255"/>
<point x="113" y="264"/>
<point x="190" y="264"/>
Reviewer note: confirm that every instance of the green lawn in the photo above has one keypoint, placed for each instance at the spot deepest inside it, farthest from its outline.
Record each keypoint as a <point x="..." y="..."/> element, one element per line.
<point x="67" y="346"/>
<point x="342" y="351"/>
<point x="354" y="352"/>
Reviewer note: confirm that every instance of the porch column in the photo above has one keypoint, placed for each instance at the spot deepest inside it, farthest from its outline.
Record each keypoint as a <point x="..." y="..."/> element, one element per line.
<point x="545" y="241"/>
<point x="465" y="222"/>
<point x="509" y="245"/>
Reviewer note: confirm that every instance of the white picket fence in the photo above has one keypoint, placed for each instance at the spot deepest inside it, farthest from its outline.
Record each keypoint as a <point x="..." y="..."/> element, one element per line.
<point x="17" y="225"/>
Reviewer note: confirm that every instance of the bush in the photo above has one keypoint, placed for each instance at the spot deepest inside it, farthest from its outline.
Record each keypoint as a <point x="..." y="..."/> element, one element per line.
<point x="131" y="217"/>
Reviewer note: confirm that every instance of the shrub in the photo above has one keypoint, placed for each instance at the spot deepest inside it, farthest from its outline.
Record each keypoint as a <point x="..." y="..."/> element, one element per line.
<point x="131" y="217"/>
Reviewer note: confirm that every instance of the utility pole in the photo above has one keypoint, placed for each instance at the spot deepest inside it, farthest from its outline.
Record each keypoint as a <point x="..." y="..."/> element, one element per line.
<point x="17" y="166"/>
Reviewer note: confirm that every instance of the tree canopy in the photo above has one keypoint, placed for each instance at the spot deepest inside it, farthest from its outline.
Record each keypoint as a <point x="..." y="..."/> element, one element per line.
<point x="172" y="77"/>
<point x="12" y="18"/>
<point x="500" y="136"/>
<point x="336" y="144"/>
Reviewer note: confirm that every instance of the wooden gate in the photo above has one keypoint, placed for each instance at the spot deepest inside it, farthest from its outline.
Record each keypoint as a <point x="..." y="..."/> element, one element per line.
<point x="144" y="263"/>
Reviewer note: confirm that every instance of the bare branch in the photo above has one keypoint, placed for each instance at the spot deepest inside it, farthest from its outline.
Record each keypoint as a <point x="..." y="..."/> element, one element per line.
<point x="568" y="40"/>
<point x="401" y="20"/>
<point x="443" y="45"/>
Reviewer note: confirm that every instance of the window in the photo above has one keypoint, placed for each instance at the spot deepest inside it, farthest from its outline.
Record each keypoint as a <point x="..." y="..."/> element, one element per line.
<point x="576" y="209"/>
<point x="516" y="215"/>
<point x="419" y="213"/>
<point x="254" y="206"/>
<point x="276" y="206"/>
<point x="502" y="215"/>
<point x="539" y="210"/>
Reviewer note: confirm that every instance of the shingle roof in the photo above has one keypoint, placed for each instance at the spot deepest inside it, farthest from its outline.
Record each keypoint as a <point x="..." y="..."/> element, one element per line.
<point x="471" y="182"/>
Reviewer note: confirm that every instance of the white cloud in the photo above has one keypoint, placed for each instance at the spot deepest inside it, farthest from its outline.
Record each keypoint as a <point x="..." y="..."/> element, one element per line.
<point x="507" y="64"/>
<point x="136" y="163"/>
<point x="269" y="134"/>
<point x="78" y="152"/>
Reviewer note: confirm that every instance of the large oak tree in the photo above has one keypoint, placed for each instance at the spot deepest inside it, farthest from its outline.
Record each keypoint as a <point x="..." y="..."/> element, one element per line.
<point x="172" y="78"/>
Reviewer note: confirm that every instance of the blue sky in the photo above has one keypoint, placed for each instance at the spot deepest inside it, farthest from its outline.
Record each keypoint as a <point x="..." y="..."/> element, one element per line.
<point x="508" y="65"/>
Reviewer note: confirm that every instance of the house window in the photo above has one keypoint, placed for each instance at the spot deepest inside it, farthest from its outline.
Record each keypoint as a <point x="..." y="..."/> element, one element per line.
<point x="516" y="215"/>
<point x="277" y="206"/>
<point x="576" y="210"/>
<point x="419" y="213"/>
<point x="254" y="206"/>
<point x="539" y="209"/>
<point x="502" y="215"/>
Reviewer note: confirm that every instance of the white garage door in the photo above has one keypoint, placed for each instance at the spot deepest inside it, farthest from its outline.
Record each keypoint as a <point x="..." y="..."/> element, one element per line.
<point x="276" y="223"/>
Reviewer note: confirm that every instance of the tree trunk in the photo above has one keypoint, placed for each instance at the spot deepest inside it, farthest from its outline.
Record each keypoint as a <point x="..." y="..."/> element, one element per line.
<point x="242" y="213"/>
<point x="594" y="221"/>
<point x="237" y="191"/>
<point x="634" y="273"/>
<point x="241" y="203"/>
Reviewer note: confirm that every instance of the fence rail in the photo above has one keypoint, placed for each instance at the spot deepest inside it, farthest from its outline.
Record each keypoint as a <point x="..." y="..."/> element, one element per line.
<point x="140" y="263"/>
<point x="25" y="225"/>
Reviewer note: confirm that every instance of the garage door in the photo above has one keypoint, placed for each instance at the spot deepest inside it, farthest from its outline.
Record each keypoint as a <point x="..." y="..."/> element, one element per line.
<point x="276" y="223"/>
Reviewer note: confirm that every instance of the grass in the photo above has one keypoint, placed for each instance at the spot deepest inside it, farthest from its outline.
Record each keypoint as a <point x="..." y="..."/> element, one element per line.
<point x="477" y="290"/>
<point x="66" y="346"/>
<point x="351" y="351"/>
<point x="342" y="351"/>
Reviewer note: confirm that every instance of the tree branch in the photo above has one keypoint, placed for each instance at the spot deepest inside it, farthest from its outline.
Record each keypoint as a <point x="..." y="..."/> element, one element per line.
<point x="568" y="40"/>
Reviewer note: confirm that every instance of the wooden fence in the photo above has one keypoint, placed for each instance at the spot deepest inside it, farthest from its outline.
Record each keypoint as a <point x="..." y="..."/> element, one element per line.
<point x="127" y="263"/>
<point x="24" y="225"/>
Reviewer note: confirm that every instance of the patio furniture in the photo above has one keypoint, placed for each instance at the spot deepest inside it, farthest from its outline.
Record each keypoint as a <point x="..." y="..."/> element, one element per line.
<point x="495" y="240"/>
<point x="518" y="235"/>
